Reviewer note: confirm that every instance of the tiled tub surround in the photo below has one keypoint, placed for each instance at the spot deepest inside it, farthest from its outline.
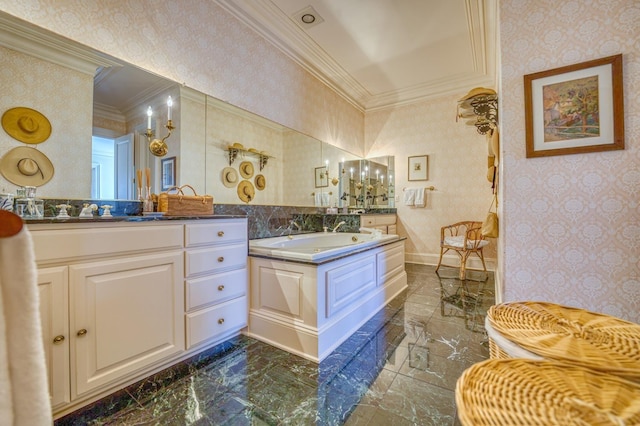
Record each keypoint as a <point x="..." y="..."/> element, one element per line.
<point x="399" y="368"/>
<point x="275" y="221"/>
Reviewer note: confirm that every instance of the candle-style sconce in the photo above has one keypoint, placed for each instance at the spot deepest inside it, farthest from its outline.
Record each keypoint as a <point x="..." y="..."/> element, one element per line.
<point x="158" y="147"/>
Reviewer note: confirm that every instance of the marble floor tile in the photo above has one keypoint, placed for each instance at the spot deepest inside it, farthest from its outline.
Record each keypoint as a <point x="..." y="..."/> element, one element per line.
<point x="399" y="369"/>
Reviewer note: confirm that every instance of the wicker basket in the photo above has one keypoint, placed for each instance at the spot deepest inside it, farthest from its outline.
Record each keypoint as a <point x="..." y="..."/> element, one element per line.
<point x="179" y="204"/>
<point x="526" y="392"/>
<point x="571" y="335"/>
<point x="502" y="348"/>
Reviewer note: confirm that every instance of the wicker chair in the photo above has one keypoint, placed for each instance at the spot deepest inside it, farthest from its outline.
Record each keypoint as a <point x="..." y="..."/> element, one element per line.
<point x="465" y="239"/>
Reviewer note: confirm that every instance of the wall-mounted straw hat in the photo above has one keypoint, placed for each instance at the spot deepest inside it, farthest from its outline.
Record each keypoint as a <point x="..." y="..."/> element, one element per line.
<point x="26" y="125"/>
<point x="26" y="166"/>
<point x="229" y="177"/>
<point x="246" y="191"/>
<point x="261" y="182"/>
<point x="246" y="169"/>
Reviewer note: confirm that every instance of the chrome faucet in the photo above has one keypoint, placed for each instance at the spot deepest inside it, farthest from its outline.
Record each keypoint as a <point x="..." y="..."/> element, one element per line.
<point x="338" y="226"/>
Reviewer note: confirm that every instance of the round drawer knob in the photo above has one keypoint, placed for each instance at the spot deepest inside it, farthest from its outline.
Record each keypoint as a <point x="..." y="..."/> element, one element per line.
<point x="58" y="339"/>
<point x="220" y="287"/>
<point x="220" y="233"/>
<point x="221" y="259"/>
<point x="221" y="321"/>
<point x="81" y="333"/>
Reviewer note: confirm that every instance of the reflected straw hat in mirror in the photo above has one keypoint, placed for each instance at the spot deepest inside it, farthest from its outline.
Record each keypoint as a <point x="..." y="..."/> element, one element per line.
<point x="229" y="177"/>
<point x="261" y="182"/>
<point x="26" y="125"/>
<point x="246" y="169"/>
<point x="246" y="191"/>
<point x="26" y="166"/>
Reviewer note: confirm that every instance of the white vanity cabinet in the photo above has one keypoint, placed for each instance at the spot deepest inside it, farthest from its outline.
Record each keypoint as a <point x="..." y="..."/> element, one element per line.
<point x="384" y="222"/>
<point x="215" y="279"/>
<point x="53" y="287"/>
<point x="126" y="314"/>
<point x="121" y="300"/>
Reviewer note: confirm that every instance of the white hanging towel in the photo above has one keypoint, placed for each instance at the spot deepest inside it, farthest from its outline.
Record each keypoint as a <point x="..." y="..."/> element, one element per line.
<point x="321" y="199"/>
<point x="420" y="197"/>
<point x="409" y="196"/>
<point x="24" y="389"/>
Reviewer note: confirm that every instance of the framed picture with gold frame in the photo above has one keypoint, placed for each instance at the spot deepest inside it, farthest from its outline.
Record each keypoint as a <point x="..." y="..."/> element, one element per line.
<point x="575" y="109"/>
<point x="418" y="167"/>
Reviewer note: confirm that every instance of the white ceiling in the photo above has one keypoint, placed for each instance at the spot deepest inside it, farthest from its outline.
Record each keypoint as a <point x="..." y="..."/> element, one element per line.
<point x="378" y="53"/>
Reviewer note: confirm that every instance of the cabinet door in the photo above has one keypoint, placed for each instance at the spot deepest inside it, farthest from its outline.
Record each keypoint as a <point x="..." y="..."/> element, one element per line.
<point x="127" y="314"/>
<point x="54" y="316"/>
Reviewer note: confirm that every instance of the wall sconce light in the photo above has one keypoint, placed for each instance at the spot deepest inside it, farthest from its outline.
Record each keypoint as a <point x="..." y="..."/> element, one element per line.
<point x="158" y="147"/>
<point x="335" y="181"/>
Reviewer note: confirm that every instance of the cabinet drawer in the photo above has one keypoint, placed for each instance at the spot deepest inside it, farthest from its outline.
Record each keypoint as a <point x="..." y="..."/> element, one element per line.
<point x="215" y="259"/>
<point x="215" y="288"/>
<point x="52" y="244"/>
<point x="367" y="221"/>
<point x="392" y="229"/>
<point x="216" y="321"/>
<point x="385" y="219"/>
<point x="377" y="220"/>
<point x="215" y="232"/>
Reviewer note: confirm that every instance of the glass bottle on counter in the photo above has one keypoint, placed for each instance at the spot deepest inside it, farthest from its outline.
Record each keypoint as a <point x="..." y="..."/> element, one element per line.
<point x="27" y="205"/>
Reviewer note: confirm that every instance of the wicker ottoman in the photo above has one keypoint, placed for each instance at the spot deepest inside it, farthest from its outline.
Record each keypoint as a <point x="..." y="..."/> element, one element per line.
<point x="526" y="392"/>
<point x="569" y="335"/>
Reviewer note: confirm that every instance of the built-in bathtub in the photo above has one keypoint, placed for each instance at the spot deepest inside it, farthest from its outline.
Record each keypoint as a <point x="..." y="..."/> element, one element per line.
<point x="316" y="246"/>
<point x="309" y="293"/>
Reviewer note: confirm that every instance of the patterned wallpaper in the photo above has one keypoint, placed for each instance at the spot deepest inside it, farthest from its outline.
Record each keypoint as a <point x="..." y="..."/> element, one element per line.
<point x="69" y="111"/>
<point x="571" y="224"/>
<point x="457" y="168"/>
<point x="197" y="43"/>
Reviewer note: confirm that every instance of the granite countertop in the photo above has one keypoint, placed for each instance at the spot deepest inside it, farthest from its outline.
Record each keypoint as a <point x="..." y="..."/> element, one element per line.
<point x="113" y="219"/>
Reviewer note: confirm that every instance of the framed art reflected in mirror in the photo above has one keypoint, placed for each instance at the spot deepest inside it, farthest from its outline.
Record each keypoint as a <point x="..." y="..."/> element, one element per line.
<point x="321" y="177"/>
<point x="168" y="172"/>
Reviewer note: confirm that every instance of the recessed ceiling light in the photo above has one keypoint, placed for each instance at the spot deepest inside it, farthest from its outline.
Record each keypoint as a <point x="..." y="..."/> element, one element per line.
<point x="307" y="17"/>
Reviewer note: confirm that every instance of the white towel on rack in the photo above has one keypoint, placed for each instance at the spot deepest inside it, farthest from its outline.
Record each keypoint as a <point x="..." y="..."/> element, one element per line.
<point x="409" y="196"/>
<point x="420" y="197"/>
<point x="321" y="199"/>
<point x="24" y="390"/>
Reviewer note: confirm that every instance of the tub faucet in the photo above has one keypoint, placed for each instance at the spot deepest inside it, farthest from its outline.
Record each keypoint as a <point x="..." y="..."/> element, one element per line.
<point x="376" y="232"/>
<point x="338" y="226"/>
<point x="291" y="225"/>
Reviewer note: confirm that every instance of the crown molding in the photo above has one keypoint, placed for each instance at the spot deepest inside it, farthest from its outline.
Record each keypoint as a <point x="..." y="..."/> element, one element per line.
<point x="108" y="112"/>
<point x="27" y="38"/>
<point x="269" y="22"/>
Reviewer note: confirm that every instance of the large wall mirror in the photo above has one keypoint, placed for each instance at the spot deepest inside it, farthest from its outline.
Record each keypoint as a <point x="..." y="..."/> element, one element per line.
<point x="279" y="166"/>
<point x="217" y="148"/>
